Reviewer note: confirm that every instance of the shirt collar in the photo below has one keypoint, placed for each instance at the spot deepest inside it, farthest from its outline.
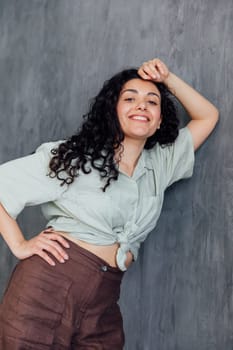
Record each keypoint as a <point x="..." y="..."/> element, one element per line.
<point x="144" y="162"/>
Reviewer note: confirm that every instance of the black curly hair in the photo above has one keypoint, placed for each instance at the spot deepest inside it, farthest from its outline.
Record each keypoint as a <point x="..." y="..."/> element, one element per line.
<point x="101" y="135"/>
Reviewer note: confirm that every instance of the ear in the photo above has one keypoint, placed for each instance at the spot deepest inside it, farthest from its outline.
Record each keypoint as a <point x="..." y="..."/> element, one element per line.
<point x="160" y="121"/>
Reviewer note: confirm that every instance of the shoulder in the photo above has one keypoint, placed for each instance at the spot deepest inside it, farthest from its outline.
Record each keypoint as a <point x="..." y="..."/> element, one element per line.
<point x="48" y="146"/>
<point x="174" y="161"/>
<point x="45" y="149"/>
<point x="181" y="143"/>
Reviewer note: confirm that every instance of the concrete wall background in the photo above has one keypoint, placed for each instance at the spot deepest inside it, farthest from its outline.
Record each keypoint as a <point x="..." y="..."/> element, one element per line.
<point x="54" y="56"/>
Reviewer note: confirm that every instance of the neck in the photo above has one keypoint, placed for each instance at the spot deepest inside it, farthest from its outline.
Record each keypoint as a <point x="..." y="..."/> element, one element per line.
<point x="130" y="155"/>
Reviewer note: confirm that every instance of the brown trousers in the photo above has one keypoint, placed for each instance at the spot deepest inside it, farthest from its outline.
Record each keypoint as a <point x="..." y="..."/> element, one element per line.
<point x="67" y="307"/>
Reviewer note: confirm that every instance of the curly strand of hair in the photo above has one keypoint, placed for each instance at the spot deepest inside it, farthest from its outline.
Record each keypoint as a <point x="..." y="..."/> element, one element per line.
<point x="100" y="136"/>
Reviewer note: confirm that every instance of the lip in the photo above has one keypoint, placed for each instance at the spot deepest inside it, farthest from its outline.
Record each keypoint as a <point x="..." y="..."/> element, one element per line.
<point x="144" y="118"/>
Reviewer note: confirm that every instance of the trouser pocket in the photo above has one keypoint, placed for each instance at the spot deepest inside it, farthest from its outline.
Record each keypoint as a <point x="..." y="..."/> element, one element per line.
<point x="33" y="304"/>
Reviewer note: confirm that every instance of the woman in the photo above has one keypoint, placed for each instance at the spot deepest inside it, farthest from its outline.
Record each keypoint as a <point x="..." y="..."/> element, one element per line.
<point x="102" y="192"/>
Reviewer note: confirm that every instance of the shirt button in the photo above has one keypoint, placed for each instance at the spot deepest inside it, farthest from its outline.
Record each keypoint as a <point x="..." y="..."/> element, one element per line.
<point x="104" y="268"/>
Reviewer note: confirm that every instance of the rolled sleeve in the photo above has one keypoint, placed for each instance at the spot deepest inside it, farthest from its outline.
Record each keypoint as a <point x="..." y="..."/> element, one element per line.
<point x="25" y="181"/>
<point x="180" y="157"/>
<point x="174" y="162"/>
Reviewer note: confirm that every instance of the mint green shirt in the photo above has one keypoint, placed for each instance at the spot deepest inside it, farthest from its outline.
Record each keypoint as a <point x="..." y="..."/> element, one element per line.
<point x="126" y="213"/>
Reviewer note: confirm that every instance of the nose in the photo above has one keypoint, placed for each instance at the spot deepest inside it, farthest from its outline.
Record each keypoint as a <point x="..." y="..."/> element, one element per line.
<point x="142" y="105"/>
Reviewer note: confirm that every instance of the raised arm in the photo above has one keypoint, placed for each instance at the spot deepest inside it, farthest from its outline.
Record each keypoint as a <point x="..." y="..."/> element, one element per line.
<point x="204" y="115"/>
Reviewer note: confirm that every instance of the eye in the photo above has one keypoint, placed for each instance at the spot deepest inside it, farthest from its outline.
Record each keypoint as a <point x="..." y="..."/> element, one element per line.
<point x="129" y="99"/>
<point x="154" y="103"/>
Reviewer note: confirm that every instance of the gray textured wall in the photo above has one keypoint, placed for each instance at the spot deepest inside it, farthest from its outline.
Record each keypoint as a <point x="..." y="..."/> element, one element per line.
<point x="54" y="56"/>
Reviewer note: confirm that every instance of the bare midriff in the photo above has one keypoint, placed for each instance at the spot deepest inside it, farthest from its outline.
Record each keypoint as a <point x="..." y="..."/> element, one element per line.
<point x="105" y="252"/>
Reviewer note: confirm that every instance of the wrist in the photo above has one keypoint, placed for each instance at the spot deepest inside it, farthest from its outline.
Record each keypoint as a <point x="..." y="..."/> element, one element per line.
<point x="16" y="248"/>
<point x="169" y="79"/>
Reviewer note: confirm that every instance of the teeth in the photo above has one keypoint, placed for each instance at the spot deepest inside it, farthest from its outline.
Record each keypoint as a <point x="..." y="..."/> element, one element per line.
<point x="139" y="117"/>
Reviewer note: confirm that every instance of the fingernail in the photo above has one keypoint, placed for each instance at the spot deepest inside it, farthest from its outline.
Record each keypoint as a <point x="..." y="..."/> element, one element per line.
<point x="53" y="263"/>
<point x="66" y="257"/>
<point x="62" y="260"/>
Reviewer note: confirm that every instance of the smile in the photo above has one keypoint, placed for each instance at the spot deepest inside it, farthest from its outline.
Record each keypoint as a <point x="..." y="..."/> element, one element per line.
<point x="139" y="117"/>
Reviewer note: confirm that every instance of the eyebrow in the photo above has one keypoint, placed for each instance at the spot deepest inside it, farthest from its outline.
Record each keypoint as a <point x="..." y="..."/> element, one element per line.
<point x="136" y="92"/>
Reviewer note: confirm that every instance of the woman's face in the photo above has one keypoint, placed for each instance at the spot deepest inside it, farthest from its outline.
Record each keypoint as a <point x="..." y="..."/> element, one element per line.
<point x="139" y="109"/>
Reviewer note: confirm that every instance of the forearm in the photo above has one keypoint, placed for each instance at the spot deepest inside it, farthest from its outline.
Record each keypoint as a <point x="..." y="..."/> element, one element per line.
<point x="203" y="114"/>
<point x="47" y="241"/>
<point x="10" y="231"/>
<point x="196" y="105"/>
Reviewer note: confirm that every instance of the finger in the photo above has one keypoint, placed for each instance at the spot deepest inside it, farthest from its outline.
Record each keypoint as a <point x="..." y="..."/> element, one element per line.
<point x="57" y="241"/>
<point x="161" y="67"/>
<point x="55" y="249"/>
<point x="143" y="74"/>
<point x="43" y="242"/>
<point x="48" y="229"/>
<point x="145" y="70"/>
<point x="150" y="71"/>
<point x="46" y="257"/>
<point x="154" y="72"/>
<point x="60" y="239"/>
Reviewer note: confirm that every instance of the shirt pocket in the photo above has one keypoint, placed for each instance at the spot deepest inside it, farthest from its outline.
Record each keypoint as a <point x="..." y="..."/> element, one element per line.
<point x="149" y="209"/>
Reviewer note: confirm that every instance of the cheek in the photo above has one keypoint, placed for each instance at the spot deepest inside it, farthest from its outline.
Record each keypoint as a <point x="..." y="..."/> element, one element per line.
<point x="157" y="115"/>
<point x="122" y="111"/>
<point x="119" y="111"/>
<point x="117" y="108"/>
<point x="119" y="115"/>
<point x="121" y="108"/>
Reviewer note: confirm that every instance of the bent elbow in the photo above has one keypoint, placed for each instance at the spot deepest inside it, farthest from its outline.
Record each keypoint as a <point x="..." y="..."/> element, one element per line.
<point x="216" y="115"/>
